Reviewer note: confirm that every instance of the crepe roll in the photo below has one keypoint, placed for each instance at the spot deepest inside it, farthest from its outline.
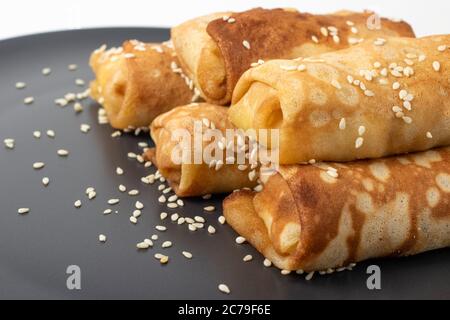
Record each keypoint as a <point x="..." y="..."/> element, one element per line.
<point x="215" y="50"/>
<point x="383" y="97"/>
<point x="137" y="82"/>
<point x="327" y="216"/>
<point x="200" y="176"/>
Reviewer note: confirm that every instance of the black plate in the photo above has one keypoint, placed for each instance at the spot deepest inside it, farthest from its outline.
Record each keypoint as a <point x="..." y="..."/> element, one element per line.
<point x="37" y="248"/>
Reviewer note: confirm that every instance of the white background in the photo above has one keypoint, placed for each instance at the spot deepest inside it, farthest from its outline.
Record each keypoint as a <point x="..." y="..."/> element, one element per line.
<point x="19" y="17"/>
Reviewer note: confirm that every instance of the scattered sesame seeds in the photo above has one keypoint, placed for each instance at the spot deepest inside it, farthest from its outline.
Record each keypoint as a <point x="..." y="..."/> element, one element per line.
<point x="224" y="288"/>
<point x="436" y="66"/>
<point x="246" y="44"/>
<point x="46" y="71"/>
<point x="28" y="100"/>
<point x="187" y="254"/>
<point x="77" y="204"/>
<point x="21" y="85"/>
<point x="38" y="165"/>
<point x="359" y="142"/>
<point x="85" y="128"/>
<point x="102" y="238"/>
<point x="62" y="153"/>
<point x="23" y="210"/>
<point x="267" y="263"/>
<point x="240" y="240"/>
<point x="247" y="258"/>
<point x="429" y="135"/>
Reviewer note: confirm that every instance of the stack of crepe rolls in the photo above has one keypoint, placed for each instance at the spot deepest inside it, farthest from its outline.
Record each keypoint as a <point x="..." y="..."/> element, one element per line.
<point x="187" y="177"/>
<point x="137" y="82"/>
<point x="327" y="216"/>
<point x="382" y="97"/>
<point x="215" y="50"/>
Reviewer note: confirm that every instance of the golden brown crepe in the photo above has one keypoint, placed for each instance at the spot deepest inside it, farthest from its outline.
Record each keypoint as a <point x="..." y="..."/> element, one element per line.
<point x="383" y="97"/>
<point x="306" y="219"/>
<point x="215" y="50"/>
<point x="195" y="179"/>
<point x="137" y="82"/>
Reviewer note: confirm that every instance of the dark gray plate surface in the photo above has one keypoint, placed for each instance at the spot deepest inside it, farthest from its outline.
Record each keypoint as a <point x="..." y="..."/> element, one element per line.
<point x="36" y="249"/>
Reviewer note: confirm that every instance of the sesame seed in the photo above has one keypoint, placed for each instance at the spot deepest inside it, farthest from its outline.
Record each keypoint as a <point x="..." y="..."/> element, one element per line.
<point x="161" y="228"/>
<point x="137" y="213"/>
<point x="122" y="188"/>
<point x="129" y="55"/>
<point x="37" y="134"/>
<point x="46" y="71"/>
<point x="23" y="210"/>
<point x="166" y="244"/>
<point x="139" y="205"/>
<point x="173" y="198"/>
<point x="422" y="58"/>
<point x="231" y="20"/>
<point x="247" y="258"/>
<point x="336" y="39"/>
<point x="38" y="165"/>
<point x="359" y="142"/>
<point x="162" y="199"/>
<point x="407" y="105"/>
<point x="396" y="85"/>
<point x="240" y="240"/>
<point x="119" y="171"/>
<point x="211" y="230"/>
<point x="315" y="39"/>
<point x="246" y="44"/>
<point x="181" y="221"/>
<point x="396" y="109"/>
<point x="407" y="120"/>
<point x="50" y="133"/>
<point x="28" y="100"/>
<point x="107" y="211"/>
<point x="72" y="67"/>
<point x="336" y="84"/>
<point x="164" y="259"/>
<point x="301" y="67"/>
<point x="369" y="93"/>
<point x="63" y="153"/>
<point x="350" y="23"/>
<point x="187" y="254"/>
<point x="133" y="220"/>
<point x="361" y="130"/>
<point x="354" y="30"/>
<point x="309" y="276"/>
<point x="85" y="128"/>
<point x="142" y="245"/>
<point x="429" y="135"/>
<point x="133" y="192"/>
<point x="149" y="242"/>
<point x="174" y="217"/>
<point x="92" y="195"/>
<point x="113" y="201"/>
<point x="285" y="272"/>
<point x="102" y="238"/>
<point x="333" y="174"/>
<point x="267" y="263"/>
<point x="436" y="66"/>
<point x="191" y="227"/>
<point x="324" y="31"/>
<point x="224" y="288"/>
<point x="209" y="208"/>
<point x="77" y="107"/>
<point x="80" y="82"/>
<point x="379" y="42"/>
<point x="116" y="134"/>
<point x="442" y="48"/>
<point x="77" y="204"/>
<point x="154" y="237"/>
<point x="45" y="181"/>
<point x="342" y="124"/>
<point x="222" y="220"/>
<point x="163" y="215"/>
<point x="21" y="85"/>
